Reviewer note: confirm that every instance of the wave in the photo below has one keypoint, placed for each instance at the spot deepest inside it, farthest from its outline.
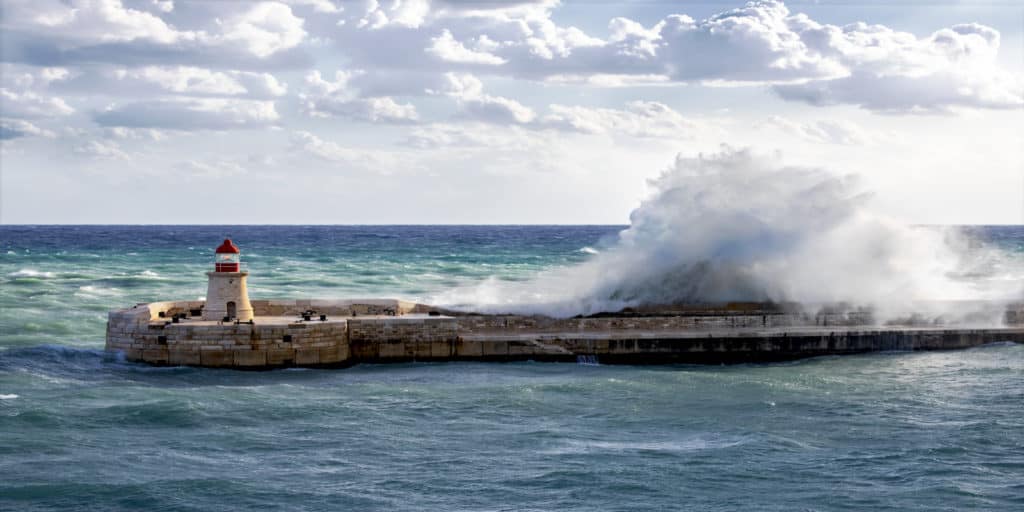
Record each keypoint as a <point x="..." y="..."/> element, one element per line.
<point x="739" y="226"/>
<point x="28" y="272"/>
<point x="96" y="290"/>
<point x="588" y="250"/>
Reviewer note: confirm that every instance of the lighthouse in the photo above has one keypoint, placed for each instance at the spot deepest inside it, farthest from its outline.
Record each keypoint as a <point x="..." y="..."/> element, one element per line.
<point x="226" y="294"/>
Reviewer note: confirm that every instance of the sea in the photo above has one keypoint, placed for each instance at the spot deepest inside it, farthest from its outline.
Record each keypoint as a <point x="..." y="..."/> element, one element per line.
<point x="81" y="429"/>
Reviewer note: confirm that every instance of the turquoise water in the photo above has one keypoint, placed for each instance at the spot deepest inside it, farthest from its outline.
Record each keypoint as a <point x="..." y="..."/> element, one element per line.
<point x="80" y="430"/>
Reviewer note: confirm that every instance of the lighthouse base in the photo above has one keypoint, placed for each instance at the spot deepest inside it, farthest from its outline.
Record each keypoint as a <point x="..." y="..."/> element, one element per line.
<point x="227" y="296"/>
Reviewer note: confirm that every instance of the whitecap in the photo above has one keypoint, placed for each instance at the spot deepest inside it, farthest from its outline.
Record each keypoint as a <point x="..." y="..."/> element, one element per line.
<point x="678" y="446"/>
<point x="96" y="290"/>
<point x="588" y="250"/>
<point x="8" y="397"/>
<point x="28" y="272"/>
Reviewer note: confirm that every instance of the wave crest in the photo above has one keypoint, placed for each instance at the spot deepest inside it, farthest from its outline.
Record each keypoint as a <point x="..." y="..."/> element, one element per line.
<point x="738" y="226"/>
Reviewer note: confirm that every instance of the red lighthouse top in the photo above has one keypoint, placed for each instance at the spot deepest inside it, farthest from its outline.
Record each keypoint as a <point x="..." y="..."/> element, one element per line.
<point x="228" y="247"/>
<point x="227" y="257"/>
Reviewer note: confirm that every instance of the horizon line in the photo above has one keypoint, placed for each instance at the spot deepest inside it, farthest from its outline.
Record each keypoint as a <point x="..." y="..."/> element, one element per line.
<point x="3" y="224"/>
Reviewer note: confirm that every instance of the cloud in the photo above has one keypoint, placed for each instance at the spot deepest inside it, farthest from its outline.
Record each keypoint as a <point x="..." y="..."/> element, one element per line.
<point x="102" y="150"/>
<point x="324" y="98"/>
<point x="199" y="81"/>
<point x="446" y="48"/>
<point x="16" y="128"/>
<point x="23" y="77"/>
<point x="163" y="5"/>
<point x="265" y="29"/>
<point x="382" y="162"/>
<point x="29" y="104"/>
<point x="217" y="168"/>
<point x="895" y="71"/>
<point x="190" y="114"/>
<point x="762" y="42"/>
<point x="320" y="6"/>
<point x="754" y="43"/>
<point x="638" y="119"/>
<point x="382" y="109"/>
<point x="94" y="21"/>
<point x="437" y="136"/>
<point x="495" y="109"/>
<point x="935" y="92"/>
<point x="24" y="92"/>
<point x="828" y="132"/>
<point x="474" y="104"/>
<point x="395" y="13"/>
<point x="233" y="35"/>
<point x="120" y="132"/>
<point x="477" y="138"/>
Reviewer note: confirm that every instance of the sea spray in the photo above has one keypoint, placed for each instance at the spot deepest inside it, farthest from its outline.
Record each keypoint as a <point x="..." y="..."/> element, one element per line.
<point x="740" y="226"/>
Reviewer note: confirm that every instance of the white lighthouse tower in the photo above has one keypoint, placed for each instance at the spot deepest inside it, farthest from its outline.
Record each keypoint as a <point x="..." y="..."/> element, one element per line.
<point x="226" y="295"/>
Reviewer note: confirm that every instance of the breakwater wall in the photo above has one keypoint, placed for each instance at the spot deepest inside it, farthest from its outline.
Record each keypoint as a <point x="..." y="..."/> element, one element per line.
<point x="383" y="331"/>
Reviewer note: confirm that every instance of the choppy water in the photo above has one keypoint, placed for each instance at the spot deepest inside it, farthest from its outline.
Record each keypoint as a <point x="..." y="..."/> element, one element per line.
<point x="81" y="430"/>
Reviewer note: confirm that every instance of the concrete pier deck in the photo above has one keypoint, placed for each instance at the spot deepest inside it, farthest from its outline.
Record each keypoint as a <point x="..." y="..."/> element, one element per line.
<point x="386" y="331"/>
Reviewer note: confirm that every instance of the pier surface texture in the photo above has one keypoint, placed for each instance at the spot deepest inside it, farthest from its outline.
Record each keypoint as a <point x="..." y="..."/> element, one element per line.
<point x="384" y="331"/>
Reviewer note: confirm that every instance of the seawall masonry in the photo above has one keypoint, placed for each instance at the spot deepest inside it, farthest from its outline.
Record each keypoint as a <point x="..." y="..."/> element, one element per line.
<point x="384" y="330"/>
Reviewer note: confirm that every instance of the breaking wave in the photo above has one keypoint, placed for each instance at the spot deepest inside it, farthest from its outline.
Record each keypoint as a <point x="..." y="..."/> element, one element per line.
<point x="28" y="272"/>
<point x="739" y="226"/>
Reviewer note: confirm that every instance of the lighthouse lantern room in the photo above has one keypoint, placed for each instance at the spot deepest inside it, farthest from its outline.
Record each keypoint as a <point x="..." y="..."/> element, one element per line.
<point x="227" y="297"/>
<point x="228" y="257"/>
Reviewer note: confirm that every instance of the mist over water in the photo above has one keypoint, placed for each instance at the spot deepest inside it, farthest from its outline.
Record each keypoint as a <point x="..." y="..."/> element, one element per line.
<point x="738" y="226"/>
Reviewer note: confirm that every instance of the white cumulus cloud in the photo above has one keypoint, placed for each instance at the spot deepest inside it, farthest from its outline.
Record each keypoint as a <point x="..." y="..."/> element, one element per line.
<point x="190" y="114"/>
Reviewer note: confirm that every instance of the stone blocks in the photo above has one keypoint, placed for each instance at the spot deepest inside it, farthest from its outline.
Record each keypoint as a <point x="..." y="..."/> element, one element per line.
<point x="307" y="356"/>
<point x="142" y="335"/>
<point x="184" y="358"/>
<point x="244" y="358"/>
<point x="216" y="358"/>
<point x="280" y="356"/>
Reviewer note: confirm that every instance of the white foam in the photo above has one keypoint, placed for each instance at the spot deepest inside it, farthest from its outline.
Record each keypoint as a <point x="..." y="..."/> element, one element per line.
<point x="588" y="250"/>
<point x="28" y="272"/>
<point x="8" y="397"/>
<point x="736" y="226"/>
<point x="96" y="290"/>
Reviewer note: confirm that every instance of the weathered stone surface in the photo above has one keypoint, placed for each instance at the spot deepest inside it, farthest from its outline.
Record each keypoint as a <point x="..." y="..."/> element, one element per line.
<point x="216" y="358"/>
<point x="280" y="356"/>
<point x="393" y="350"/>
<point x="250" y="358"/>
<point x="184" y="357"/>
<point x="441" y="349"/>
<point x="494" y="348"/>
<point x="468" y="348"/>
<point x="155" y="355"/>
<point x="521" y="348"/>
<point x="330" y="355"/>
<point x="141" y="335"/>
<point x="307" y="356"/>
<point x="423" y="349"/>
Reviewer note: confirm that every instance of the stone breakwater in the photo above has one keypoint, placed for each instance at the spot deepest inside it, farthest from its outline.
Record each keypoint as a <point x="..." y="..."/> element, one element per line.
<point x="292" y="333"/>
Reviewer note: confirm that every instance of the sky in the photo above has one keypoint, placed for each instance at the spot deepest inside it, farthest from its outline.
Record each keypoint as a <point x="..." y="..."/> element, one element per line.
<point x="494" y="111"/>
